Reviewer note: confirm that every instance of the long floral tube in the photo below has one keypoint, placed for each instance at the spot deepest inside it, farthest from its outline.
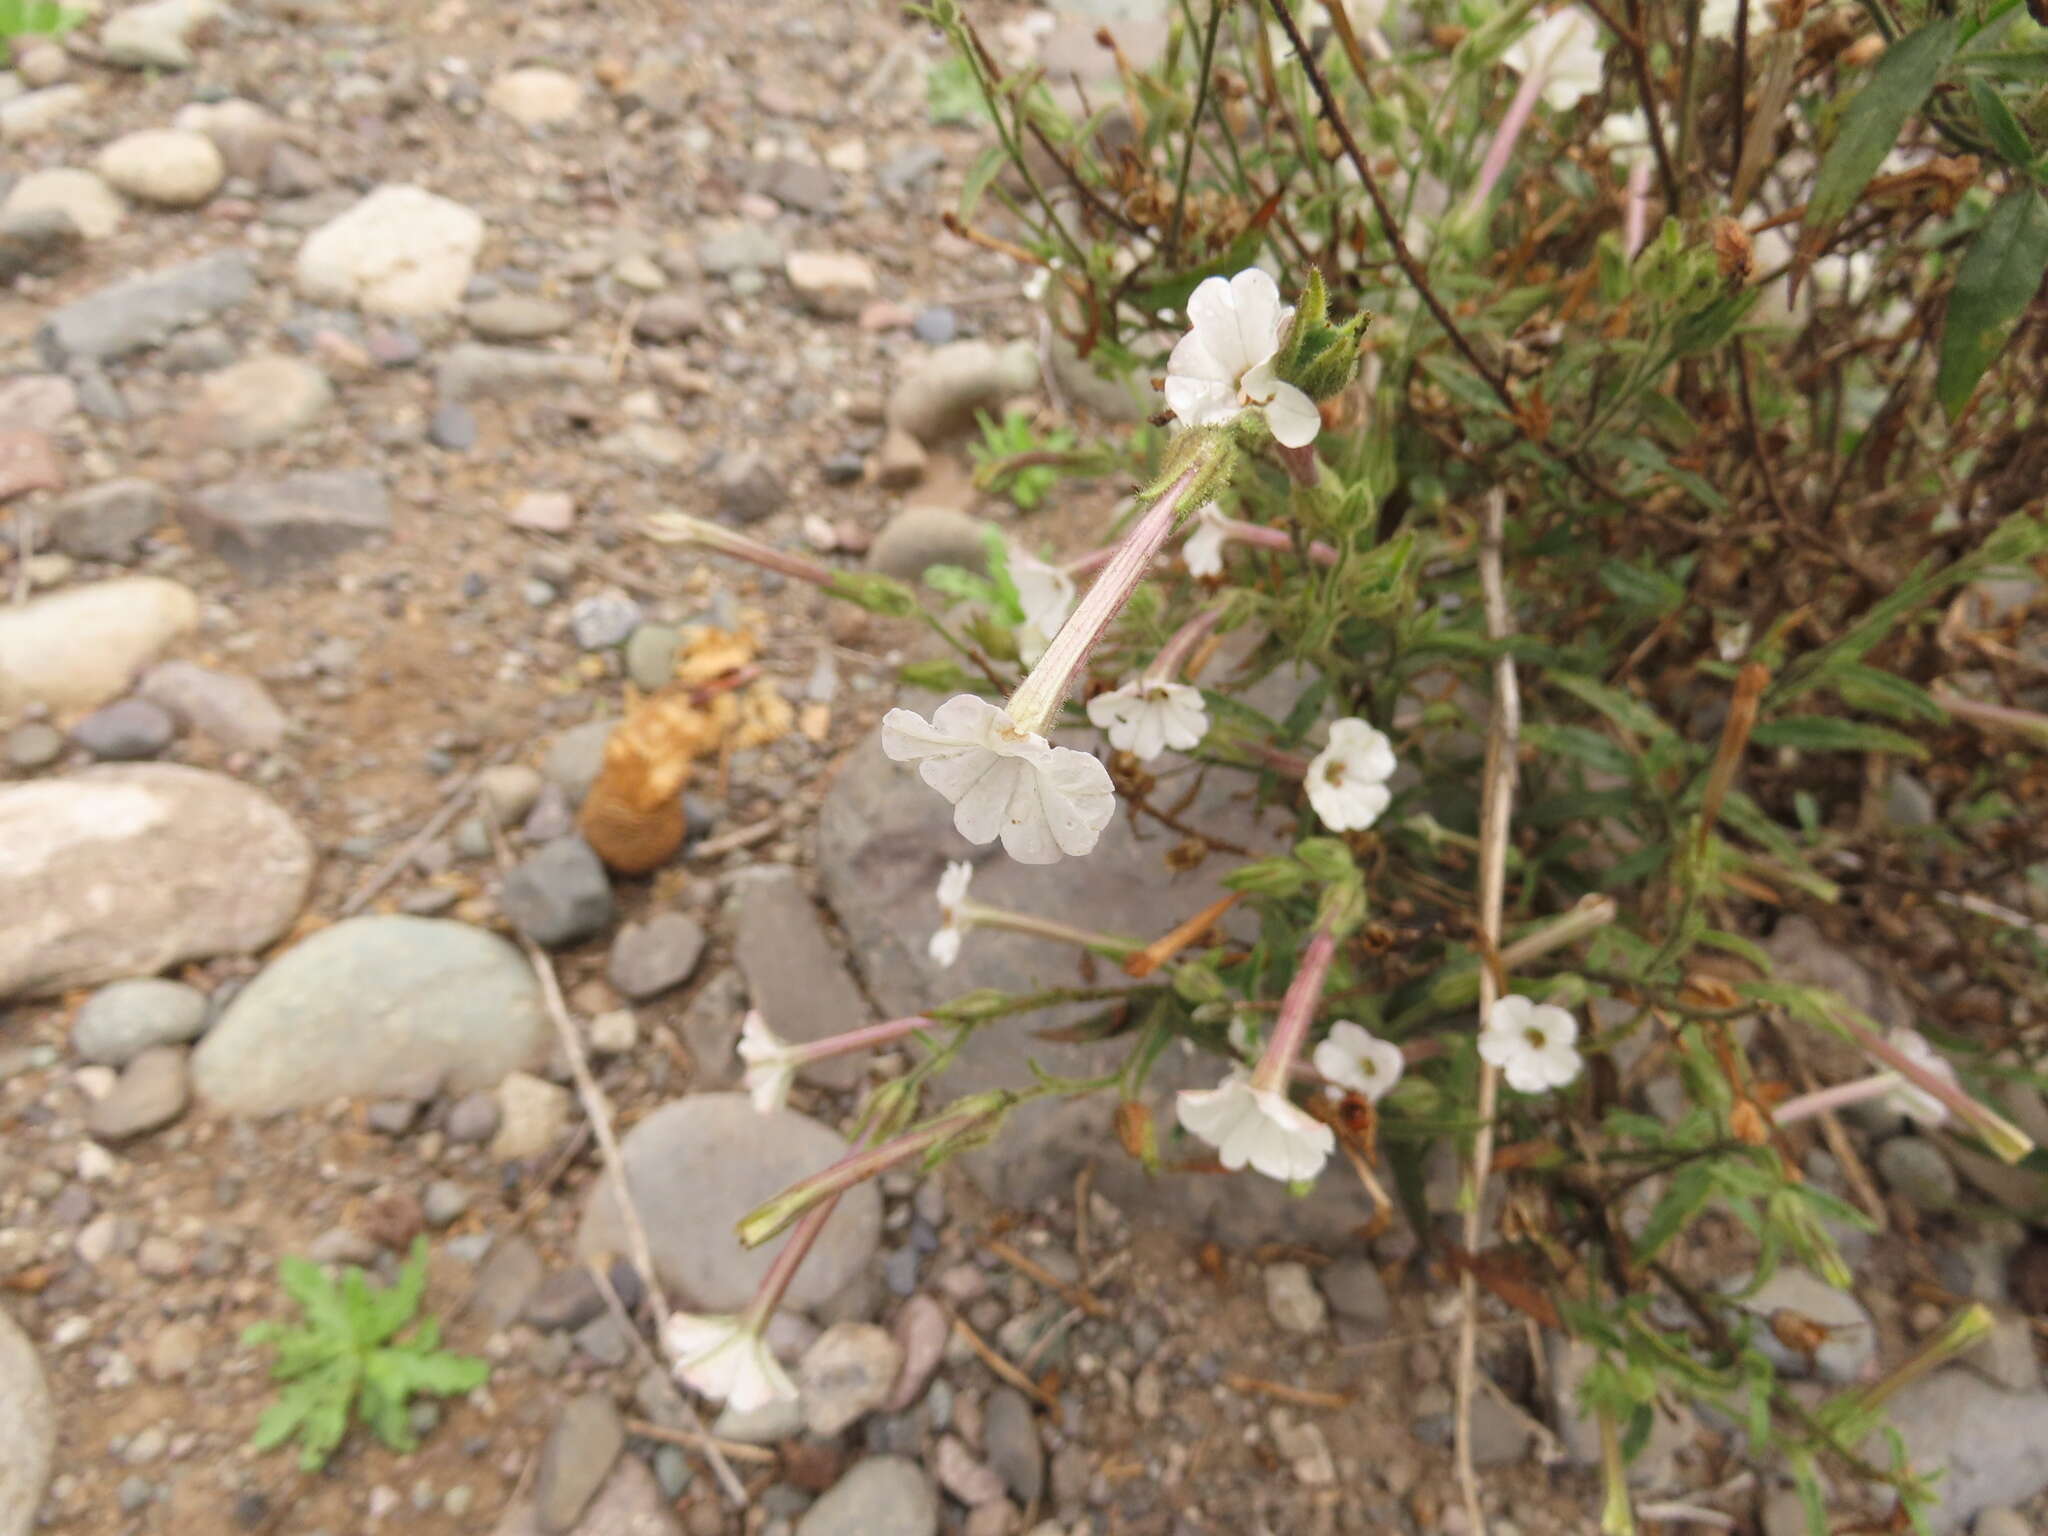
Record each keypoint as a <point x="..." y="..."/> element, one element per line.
<point x="790" y="1259"/>
<point x="1034" y="705"/>
<point x="1297" y="1013"/>
<point x="681" y="528"/>
<point x="1185" y="639"/>
<point x="2004" y="1138"/>
<point x="1263" y="536"/>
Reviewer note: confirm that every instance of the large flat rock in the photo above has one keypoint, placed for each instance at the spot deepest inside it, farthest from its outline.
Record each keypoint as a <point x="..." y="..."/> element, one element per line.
<point x="30" y="1421"/>
<point x="121" y="871"/>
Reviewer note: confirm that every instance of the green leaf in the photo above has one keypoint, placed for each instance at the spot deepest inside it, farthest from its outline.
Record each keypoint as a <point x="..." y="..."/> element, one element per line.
<point x="1997" y="280"/>
<point x="1831" y="733"/>
<point x="1655" y="592"/>
<point x="937" y="676"/>
<point x="1691" y="1188"/>
<point x="1623" y="709"/>
<point x="1581" y="745"/>
<point x="1871" y="124"/>
<point x="2000" y="126"/>
<point x="987" y="165"/>
<point x="34" y="18"/>
<point x="1873" y="691"/>
<point x="955" y="582"/>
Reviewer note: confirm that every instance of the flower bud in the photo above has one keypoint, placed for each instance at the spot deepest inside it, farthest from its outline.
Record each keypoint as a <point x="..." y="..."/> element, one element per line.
<point x="1733" y="251"/>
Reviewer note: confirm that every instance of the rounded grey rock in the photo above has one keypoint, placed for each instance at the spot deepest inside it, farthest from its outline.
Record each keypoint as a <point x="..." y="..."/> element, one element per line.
<point x="651" y="655"/>
<point x="696" y="1166"/>
<point x="559" y="895"/>
<point x="603" y="620"/>
<point x="121" y="1021"/>
<point x="882" y="1496"/>
<point x="150" y="1093"/>
<point x="1851" y="1342"/>
<point x="34" y="745"/>
<point x="369" y="1006"/>
<point x="577" y="756"/>
<point x="918" y="538"/>
<point x="473" y="1118"/>
<point x="649" y="958"/>
<point x="126" y="730"/>
<point x="1914" y="1167"/>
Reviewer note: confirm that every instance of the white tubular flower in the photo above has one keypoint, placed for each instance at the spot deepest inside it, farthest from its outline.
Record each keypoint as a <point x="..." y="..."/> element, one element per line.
<point x="1347" y="780"/>
<point x="1352" y="1056"/>
<point x="1534" y="1044"/>
<point x="1202" y="552"/>
<point x="725" y="1359"/>
<point x="1224" y="365"/>
<point x="1046" y="594"/>
<point x="1258" y="1127"/>
<point x="1917" y="1104"/>
<point x="771" y="1063"/>
<point x="1564" y="49"/>
<point x="954" y="922"/>
<point x="1627" y="134"/>
<point x="1148" y="715"/>
<point x="1043" y="801"/>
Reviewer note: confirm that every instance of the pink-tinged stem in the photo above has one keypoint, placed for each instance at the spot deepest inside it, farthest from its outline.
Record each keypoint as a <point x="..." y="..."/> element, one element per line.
<point x="1175" y="651"/>
<point x="856" y="1167"/>
<point x="1519" y="112"/>
<point x="677" y="528"/>
<point x="1999" y="1133"/>
<point x="1286" y="764"/>
<point x="1821" y="1101"/>
<point x="1297" y="1013"/>
<point x="1274" y="538"/>
<point x="787" y="1262"/>
<point x="1033" y="706"/>
<point x="866" y="1038"/>
<point x="1636" y="214"/>
<point x="1995" y="717"/>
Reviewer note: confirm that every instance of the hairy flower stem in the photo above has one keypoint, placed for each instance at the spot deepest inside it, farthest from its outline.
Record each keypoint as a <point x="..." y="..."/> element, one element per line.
<point x="1820" y="1101"/>
<point x="1035" y="704"/>
<point x="1259" y="535"/>
<point x="1297" y="1013"/>
<point x="1636" y="211"/>
<point x="976" y="915"/>
<point x="787" y="1262"/>
<point x="858" y="1166"/>
<point x="680" y="528"/>
<point x="867" y="1038"/>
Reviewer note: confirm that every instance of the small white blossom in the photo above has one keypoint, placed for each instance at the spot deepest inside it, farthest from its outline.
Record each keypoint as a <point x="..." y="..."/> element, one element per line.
<point x="1627" y="134"/>
<point x="1203" y="550"/>
<point x="1564" y="49"/>
<point x="945" y="945"/>
<point x="1352" y="1056"/>
<point x="1916" y="1103"/>
<point x="725" y="1360"/>
<point x="1257" y="1127"/>
<point x="1717" y="17"/>
<point x="1224" y="365"/>
<point x="1147" y="716"/>
<point x="1046" y="594"/>
<point x="1347" y="780"/>
<point x="1534" y="1044"/>
<point x="771" y="1063"/>
<point x="1041" y="800"/>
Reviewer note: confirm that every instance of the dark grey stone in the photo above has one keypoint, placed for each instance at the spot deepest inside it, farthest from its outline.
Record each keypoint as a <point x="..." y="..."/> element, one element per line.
<point x="39" y="240"/>
<point x="146" y="311"/>
<point x="559" y="895"/>
<point x="649" y="958"/>
<point x="125" y="731"/>
<point x="794" y="975"/>
<point x="107" y="521"/>
<point x="270" y="529"/>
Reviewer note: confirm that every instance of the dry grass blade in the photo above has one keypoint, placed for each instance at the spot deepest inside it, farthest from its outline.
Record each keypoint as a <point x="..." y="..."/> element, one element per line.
<point x="1024" y="1264"/>
<point x="1302" y="1397"/>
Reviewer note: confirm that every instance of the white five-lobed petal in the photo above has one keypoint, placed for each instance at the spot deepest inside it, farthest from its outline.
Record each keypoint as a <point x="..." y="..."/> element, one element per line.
<point x="1564" y="48"/>
<point x="1256" y="1127"/>
<point x="1043" y="801"/>
<point x="1347" y="780"/>
<point x="771" y="1063"/>
<point x="1146" y="717"/>
<point x="1046" y="594"/>
<point x="1224" y="365"/>
<point x="1353" y="1057"/>
<point x="1203" y="550"/>
<point x="1916" y="1103"/>
<point x="953" y="924"/>
<point x="725" y="1360"/>
<point x="1535" y="1045"/>
<point x="1717" y="17"/>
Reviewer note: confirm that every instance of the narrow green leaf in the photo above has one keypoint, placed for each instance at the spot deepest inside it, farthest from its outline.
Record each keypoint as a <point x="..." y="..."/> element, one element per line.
<point x="1997" y="280"/>
<point x="2000" y="126"/>
<point x="1831" y="733"/>
<point x="1624" y="709"/>
<point x="1652" y="591"/>
<point x="1871" y="124"/>
<point x="1873" y="691"/>
<point x="987" y="165"/>
<point x="1691" y="1188"/>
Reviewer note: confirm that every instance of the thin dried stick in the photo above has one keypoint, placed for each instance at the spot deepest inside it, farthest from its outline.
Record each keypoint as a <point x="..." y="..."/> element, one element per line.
<point x="450" y="806"/>
<point x="1000" y="1366"/>
<point x="713" y="1449"/>
<point x="597" y="1112"/>
<point x="1496" y="814"/>
<point x="1023" y="1263"/>
<point x="698" y="1440"/>
<point x="1303" y="1397"/>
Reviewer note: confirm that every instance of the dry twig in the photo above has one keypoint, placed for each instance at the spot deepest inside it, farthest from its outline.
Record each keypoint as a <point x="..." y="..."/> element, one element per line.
<point x="1496" y="814"/>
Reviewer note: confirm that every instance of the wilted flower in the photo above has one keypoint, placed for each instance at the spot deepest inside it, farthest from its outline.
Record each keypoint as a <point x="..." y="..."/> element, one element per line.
<point x="1347" y="780"/>
<point x="1148" y="715"/>
<point x="1224" y="366"/>
<point x="1041" y="800"/>
<point x="725" y="1358"/>
<point x="1562" y="51"/>
<point x="771" y="1063"/>
<point x="1257" y="1127"/>
<point x="1533" y="1044"/>
<point x="1916" y="1103"/>
<point x="954" y="922"/>
<point x="1352" y="1057"/>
